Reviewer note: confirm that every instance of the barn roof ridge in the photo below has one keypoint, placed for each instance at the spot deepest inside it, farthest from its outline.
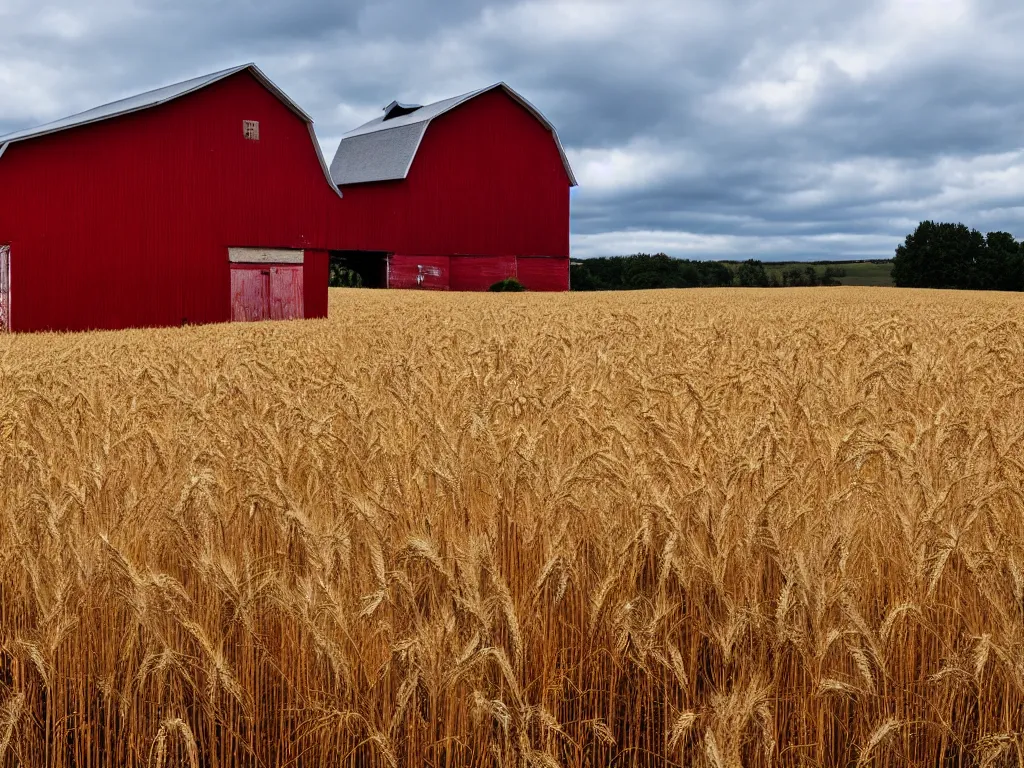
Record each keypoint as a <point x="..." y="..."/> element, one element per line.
<point x="389" y="156"/>
<point x="157" y="97"/>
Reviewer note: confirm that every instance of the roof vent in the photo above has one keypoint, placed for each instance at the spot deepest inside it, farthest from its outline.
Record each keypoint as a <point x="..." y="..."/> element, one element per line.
<point x="397" y="109"/>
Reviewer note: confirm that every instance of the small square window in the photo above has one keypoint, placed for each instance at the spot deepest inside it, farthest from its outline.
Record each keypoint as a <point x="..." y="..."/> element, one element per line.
<point x="251" y="129"/>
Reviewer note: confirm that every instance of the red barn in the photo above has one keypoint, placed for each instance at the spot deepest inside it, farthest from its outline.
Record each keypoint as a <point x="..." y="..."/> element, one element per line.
<point x="456" y="195"/>
<point x="199" y="202"/>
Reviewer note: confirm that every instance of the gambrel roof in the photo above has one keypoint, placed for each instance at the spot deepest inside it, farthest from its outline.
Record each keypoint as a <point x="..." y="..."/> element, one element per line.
<point x="384" y="149"/>
<point x="157" y="97"/>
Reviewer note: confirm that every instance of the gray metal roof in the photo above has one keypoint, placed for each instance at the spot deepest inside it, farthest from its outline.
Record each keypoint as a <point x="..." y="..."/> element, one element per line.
<point x="157" y="97"/>
<point x="377" y="156"/>
<point x="384" y="149"/>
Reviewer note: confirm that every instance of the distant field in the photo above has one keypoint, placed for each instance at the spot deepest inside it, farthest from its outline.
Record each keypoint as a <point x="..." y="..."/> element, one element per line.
<point x="866" y="273"/>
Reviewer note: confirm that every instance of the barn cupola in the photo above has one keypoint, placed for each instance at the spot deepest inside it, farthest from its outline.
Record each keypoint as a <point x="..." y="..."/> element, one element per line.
<point x="397" y="109"/>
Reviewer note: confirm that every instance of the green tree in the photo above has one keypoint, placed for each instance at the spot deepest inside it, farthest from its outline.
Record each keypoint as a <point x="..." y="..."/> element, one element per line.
<point x="658" y="271"/>
<point x="940" y="255"/>
<point x="831" y="276"/>
<point x="752" y="274"/>
<point x="792" y="276"/>
<point x="1003" y="263"/>
<point x="713" y="273"/>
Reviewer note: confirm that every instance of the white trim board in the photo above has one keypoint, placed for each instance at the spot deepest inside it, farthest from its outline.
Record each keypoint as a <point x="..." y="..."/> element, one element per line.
<point x="265" y="256"/>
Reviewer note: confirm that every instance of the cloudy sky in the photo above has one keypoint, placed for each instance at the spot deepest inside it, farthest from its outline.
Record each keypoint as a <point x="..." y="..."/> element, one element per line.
<point x="703" y="128"/>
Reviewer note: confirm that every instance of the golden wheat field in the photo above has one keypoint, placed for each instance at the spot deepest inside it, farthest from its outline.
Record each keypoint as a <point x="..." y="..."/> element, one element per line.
<point x="694" y="528"/>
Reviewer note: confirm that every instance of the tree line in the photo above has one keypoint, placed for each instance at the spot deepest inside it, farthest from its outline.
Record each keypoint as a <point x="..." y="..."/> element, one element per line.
<point x="944" y="255"/>
<point x="934" y="255"/>
<point x="658" y="270"/>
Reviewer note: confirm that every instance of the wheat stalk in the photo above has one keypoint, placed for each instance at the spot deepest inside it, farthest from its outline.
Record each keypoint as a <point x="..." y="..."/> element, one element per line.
<point x="721" y="528"/>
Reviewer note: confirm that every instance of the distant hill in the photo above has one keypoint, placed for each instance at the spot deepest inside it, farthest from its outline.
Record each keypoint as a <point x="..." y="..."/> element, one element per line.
<point x="876" y="272"/>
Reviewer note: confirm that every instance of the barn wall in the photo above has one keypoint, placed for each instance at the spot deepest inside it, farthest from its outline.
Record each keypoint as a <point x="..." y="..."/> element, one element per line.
<point x="538" y="274"/>
<point x="127" y="222"/>
<point x="488" y="180"/>
<point x="316" y="267"/>
<point x="428" y="273"/>
<point x="478" y="273"/>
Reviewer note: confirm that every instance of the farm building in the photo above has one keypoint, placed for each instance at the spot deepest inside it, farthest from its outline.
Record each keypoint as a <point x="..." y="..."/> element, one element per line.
<point x="456" y="195"/>
<point x="200" y="202"/>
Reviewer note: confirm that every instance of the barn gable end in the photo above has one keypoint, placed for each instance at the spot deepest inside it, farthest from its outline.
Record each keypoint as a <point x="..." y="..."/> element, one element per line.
<point x="127" y="220"/>
<point x="158" y="97"/>
<point x="384" y="149"/>
<point x="484" y="188"/>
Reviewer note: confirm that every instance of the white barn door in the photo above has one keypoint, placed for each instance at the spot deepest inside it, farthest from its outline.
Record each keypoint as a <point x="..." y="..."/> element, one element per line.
<point x="5" y="288"/>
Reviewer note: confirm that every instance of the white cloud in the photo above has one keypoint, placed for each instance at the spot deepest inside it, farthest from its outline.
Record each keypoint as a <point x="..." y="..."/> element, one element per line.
<point x="784" y="82"/>
<point x="556" y="22"/>
<point x="28" y="90"/>
<point x="641" y="163"/>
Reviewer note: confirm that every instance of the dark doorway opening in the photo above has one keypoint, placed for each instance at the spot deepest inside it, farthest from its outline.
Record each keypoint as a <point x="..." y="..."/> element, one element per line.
<point x="371" y="267"/>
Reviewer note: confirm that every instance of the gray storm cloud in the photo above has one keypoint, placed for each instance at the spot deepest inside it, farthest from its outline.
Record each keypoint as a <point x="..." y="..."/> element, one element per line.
<point x="706" y="129"/>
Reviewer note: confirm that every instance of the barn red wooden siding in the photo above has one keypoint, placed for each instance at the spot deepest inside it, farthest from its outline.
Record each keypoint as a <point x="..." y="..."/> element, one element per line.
<point x="539" y="274"/>
<point x="476" y="273"/>
<point x="430" y="273"/>
<point x="286" y="292"/>
<point x="487" y="181"/>
<point x="266" y="292"/>
<point x="127" y="222"/>
<point x="5" y="288"/>
<point x="250" y="293"/>
<point x="315" y="275"/>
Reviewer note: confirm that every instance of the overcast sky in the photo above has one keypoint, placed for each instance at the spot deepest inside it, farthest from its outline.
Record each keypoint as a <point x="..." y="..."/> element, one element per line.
<point x="702" y="128"/>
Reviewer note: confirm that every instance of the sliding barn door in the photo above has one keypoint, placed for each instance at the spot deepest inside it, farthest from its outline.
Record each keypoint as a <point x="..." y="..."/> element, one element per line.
<point x="266" y="284"/>
<point x="250" y="293"/>
<point x="5" y="288"/>
<point x="286" y="295"/>
<point x="266" y="292"/>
